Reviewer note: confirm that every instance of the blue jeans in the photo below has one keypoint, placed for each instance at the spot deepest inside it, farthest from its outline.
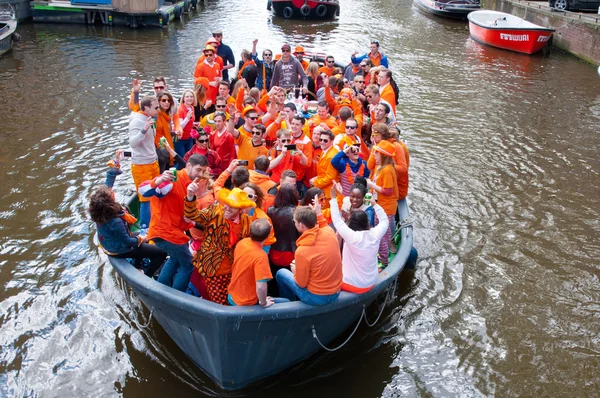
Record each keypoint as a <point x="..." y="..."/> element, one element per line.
<point x="177" y="270"/>
<point x="289" y="289"/>
<point x="183" y="146"/>
<point x="145" y="215"/>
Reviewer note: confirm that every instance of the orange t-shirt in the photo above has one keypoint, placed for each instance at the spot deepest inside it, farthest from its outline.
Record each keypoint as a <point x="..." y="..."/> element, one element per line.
<point x="326" y="70"/>
<point x="210" y="72"/>
<point x="247" y="150"/>
<point x="250" y="265"/>
<point x="386" y="178"/>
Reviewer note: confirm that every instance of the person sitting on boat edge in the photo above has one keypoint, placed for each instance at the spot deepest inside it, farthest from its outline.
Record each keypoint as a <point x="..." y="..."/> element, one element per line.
<point x="114" y="234"/>
<point x="316" y="276"/>
<point x="225" y="224"/>
<point x="360" y="245"/>
<point x="376" y="57"/>
<point x="167" y="227"/>
<point x="250" y="271"/>
<point x="144" y="158"/>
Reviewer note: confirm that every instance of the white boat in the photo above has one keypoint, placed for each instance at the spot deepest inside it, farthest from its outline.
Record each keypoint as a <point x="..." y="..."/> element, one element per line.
<point x="8" y="26"/>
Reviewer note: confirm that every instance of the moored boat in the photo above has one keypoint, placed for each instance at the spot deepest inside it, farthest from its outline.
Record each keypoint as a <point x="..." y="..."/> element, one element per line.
<point x="238" y="345"/>
<point x="8" y="26"/>
<point x="308" y="9"/>
<point x="457" y="9"/>
<point x="506" y="31"/>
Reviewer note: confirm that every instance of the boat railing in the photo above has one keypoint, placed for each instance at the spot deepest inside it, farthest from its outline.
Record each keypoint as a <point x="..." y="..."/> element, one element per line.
<point x="4" y="29"/>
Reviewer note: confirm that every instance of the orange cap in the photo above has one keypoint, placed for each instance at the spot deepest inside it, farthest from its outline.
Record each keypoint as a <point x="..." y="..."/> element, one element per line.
<point x="247" y="109"/>
<point x="386" y="148"/>
<point x="299" y="49"/>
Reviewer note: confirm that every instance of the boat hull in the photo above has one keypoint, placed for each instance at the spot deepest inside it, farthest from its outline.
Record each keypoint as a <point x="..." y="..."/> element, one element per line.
<point x="453" y="10"/>
<point x="522" y="40"/>
<point x="8" y="27"/>
<point x="236" y="346"/>
<point x="315" y="9"/>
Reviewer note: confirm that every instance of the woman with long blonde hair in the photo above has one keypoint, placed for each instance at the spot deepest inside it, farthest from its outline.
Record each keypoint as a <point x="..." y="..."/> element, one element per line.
<point x="187" y="118"/>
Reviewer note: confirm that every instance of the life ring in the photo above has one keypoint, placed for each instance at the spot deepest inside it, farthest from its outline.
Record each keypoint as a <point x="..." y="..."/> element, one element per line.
<point x="321" y="11"/>
<point x="269" y="3"/>
<point x="305" y="10"/>
<point x="178" y="12"/>
<point x="288" y="12"/>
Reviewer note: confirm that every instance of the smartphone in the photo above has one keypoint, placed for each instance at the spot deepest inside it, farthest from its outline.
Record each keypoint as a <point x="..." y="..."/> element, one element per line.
<point x="127" y="154"/>
<point x="291" y="147"/>
<point x="243" y="163"/>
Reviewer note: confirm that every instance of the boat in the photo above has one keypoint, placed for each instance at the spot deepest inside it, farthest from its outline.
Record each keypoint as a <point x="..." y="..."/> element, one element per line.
<point x="236" y="346"/>
<point x="8" y="27"/>
<point x="506" y="31"/>
<point x="307" y="9"/>
<point x="457" y="9"/>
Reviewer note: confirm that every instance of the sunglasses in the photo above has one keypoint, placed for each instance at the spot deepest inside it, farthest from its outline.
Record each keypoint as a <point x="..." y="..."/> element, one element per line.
<point x="286" y="141"/>
<point x="159" y="88"/>
<point x="330" y="62"/>
<point x="375" y="134"/>
<point x="203" y="141"/>
<point x="299" y="53"/>
<point x="351" y="127"/>
<point x="362" y="66"/>
<point x="209" y="54"/>
<point x="368" y="96"/>
<point x="251" y="195"/>
<point x="256" y="132"/>
<point x="219" y="114"/>
<point x="267" y="55"/>
<point x="359" y="81"/>
<point x="217" y="35"/>
<point x="325" y="140"/>
<point x="165" y="100"/>
<point x="220" y="106"/>
<point x="285" y="51"/>
<point x="156" y="108"/>
<point x="252" y="117"/>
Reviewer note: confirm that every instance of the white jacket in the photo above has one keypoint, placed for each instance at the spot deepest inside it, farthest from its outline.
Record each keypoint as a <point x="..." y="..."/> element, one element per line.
<point x="359" y="256"/>
<point x="143" y="150"/>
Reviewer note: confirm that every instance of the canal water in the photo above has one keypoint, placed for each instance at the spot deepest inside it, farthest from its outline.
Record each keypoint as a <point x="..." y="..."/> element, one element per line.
<point x="505" y="300"/>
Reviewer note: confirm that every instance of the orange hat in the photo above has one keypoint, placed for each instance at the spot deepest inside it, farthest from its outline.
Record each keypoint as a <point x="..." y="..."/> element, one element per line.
<point x="386" y="148"/>
<point x="209" y="48"/>
<point x="299" y="49"/>
<point x="277" y="57"/>
<point x="235" y="198"/>
<point x="211" y="40"/>
<point x="247" y="109"/>
<point x="202" y="81"/>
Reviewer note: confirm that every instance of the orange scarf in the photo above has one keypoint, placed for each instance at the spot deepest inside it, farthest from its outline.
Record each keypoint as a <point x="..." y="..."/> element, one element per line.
<point x="247" y="63"/>
<point x="163" y="128"/>
<point x="350" y="174"/>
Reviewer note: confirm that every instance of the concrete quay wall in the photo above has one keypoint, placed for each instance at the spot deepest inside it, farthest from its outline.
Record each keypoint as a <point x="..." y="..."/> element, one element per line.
<point x="578" y="34"/>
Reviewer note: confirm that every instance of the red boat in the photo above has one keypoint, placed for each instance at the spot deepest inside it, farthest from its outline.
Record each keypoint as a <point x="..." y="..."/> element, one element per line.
<point x="502" y="30"/>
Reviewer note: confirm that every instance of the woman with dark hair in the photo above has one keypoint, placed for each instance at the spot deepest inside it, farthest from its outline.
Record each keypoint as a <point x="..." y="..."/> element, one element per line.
<point x="281" y="213"/>
<point x="114" y="234"/>
<point x="202" y="147"/>
<point x="356" y="201"/>
<point x="309" y="199"/>
<point x="361" y="244"/>
<point x="167" y="123"/>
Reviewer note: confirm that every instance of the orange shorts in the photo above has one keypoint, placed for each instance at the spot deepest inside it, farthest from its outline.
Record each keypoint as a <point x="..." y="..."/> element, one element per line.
<point x="356" y="290"/>
<point x="144" y="172"/>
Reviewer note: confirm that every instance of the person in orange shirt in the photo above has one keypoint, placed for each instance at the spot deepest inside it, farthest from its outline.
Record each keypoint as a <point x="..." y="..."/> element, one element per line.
<point x="249" y="148"/>
<point x="326" y="173"/>
<point x="250" y="116"/>
<point x="376" y="56"/>
<point x="382" y="132"/>
<point x="329" y="66"/>
<point x="210" y="70"/>
<point x="224" y="90"/>
<point x="225" y="224"/>
<point x="214" y="43"/>
<point x="250" y="271"/>
<point x="386" y="91"/>
<point x="283" y="159"/>
<point x="384" y="187"/>
<point x="311" y="170"/>
<point x="303" y="144"/>
<point x="259" y="175"/>
<point x="316" y="274"/>
<point x="299" y="54"/>
<point x="167" y="226"/>
<point x="322" y="117"/>
<point x="374" y="99"/>
<point x="168" y="126"/>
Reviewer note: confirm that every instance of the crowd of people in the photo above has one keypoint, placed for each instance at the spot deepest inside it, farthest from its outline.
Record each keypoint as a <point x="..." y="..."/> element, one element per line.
<point x="281" y="183"/>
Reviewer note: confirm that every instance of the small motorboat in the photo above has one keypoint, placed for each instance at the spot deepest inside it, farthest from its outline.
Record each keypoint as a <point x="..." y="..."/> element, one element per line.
<point x="457" y="9"/>
<point x="502" y="30"/>
<point x="8" y="26"/>
<point x="307" y="9"/>
<point x="236" y="346"/>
